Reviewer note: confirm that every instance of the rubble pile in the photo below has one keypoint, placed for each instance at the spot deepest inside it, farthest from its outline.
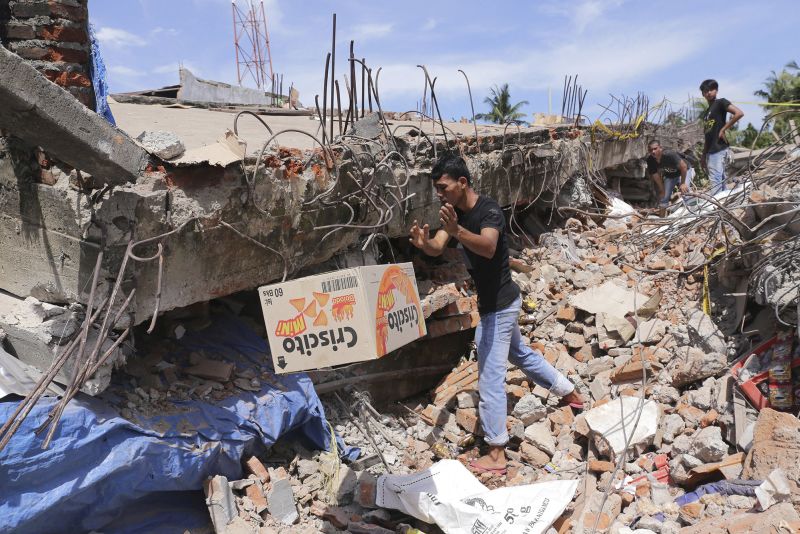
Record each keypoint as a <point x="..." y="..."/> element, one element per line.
<point x="661" y="444"/>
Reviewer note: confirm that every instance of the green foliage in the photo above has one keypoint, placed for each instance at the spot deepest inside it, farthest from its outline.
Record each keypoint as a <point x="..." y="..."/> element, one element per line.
<point x="501" y="109"/>
<point x="749" y="138"/>
<point x="783" y="87"/>
<point x="700" y="180"/>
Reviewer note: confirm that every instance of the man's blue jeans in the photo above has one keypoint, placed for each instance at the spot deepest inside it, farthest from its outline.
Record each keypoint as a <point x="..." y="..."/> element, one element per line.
<point x="498" y="340"/>
<point x="671" y="183"/>
<point x="715" y="163"/>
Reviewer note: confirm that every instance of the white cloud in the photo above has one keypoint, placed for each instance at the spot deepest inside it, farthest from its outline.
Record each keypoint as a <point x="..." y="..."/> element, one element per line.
<point x="171" y="32"/>
<point x="602" y="65"/>
<point x="371" y="31"/>
<point x="581" y="14"/>
<point x="590" y="11"/>
<point x="122" y="70"/>
<point x="429" y="25"/>
<point x="117" y="37"/>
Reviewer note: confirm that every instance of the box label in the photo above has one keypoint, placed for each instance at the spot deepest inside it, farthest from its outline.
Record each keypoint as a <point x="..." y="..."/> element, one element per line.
<point x="335" y="318"/>
<point x="397" y="308"/>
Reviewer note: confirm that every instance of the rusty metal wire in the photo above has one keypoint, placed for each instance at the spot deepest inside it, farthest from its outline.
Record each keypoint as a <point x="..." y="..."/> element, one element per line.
<point x="86" y="364"/>
<point x="768" y="245"/>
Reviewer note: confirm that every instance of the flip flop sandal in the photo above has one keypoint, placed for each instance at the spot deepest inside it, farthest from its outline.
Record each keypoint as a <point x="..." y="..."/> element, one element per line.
<point x="480" y="469"/>
<point x="576" y="405"/>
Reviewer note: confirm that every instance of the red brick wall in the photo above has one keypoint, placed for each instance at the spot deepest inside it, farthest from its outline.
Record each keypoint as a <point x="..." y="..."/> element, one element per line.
<point x="53" y="36"/>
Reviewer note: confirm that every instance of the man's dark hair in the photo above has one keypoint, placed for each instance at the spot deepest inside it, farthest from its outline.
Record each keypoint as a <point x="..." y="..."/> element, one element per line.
<point x="653" y="142"/>
<point x="709" y="85"/>
<point x="452" y="165"/>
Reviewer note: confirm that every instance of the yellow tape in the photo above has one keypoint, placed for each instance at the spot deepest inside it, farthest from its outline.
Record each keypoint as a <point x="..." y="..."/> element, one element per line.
<point x="620" y="136"/>
<point x="706" y="292"/>
<point x="789" y="104"/>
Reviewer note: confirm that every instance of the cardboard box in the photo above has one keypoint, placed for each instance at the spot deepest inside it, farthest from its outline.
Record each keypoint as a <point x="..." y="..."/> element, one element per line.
<point x="339" y="317"/>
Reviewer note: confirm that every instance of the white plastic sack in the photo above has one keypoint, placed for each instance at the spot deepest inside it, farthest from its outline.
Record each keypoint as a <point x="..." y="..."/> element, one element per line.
<point x="450" y="496"/>
<point x="620" y="208"/>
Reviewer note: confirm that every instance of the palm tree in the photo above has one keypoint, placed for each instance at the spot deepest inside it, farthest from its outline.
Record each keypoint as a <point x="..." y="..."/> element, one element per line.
<point x="783" y="87"/>
<point x="501" y="109"/>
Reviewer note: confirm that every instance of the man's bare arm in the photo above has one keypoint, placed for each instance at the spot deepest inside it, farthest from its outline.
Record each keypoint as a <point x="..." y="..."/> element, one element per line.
<point x="432" y="246"/>
<point x="483" y="244"/>
<point x="659" y="181"/>
<point x="737" y="114"/>
<point x="684" y="168"/>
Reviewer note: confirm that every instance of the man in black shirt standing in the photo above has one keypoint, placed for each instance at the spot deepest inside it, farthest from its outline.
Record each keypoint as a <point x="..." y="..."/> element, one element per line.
<point x="667" y="169"/>
<point x="715" y="148"/>
<point x="478" y="224"/>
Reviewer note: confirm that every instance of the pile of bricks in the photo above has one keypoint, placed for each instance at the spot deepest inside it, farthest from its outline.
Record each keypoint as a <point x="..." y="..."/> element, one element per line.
<point x="54" y="36"/>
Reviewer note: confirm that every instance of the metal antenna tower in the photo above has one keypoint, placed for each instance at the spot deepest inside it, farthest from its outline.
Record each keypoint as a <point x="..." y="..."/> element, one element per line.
<point x="251" y="40"/>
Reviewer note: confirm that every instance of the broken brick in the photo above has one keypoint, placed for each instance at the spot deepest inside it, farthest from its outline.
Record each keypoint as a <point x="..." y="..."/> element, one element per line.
<point x="442" y="327"/>
<point x="366" y="490"/>
<point x="256" y="495"/>
<point x="255" y="467"/>
<point x="533" y="455"/>
<point x="467" y="418"/>
<point x="600" y="466"/>
<point x="57" y="32"/>
<point x="461" y="306"/>
<point x="211" y="370"/>
<point x="516" y="392"/>
<point x="709" y="418"/>
<point x="586" y="353"/>
<point x="566" y="313"/>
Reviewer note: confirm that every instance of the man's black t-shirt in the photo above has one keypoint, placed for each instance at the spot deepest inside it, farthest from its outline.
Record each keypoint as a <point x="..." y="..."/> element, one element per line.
<point x="496" y="289"/>
<point x="668" y="167"/>
<point x="713" y="120"/>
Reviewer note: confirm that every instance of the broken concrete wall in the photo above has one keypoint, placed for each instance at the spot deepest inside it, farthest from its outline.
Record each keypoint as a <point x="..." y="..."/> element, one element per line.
<point x="53" y="35"/>
<point x="630" y="178"/>
<point x="56" y="229"/>
<point x="194" y="89"/>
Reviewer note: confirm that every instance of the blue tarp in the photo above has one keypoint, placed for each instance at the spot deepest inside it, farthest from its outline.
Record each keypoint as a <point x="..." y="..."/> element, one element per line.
<point x="106" y="473"/>
<point x="99" y="81"/>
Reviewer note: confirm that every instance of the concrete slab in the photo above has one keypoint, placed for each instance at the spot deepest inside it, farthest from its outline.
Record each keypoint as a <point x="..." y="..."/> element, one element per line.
<point x="44" y="114"/>
<point x="611" y="298"/>
<point x="198" y="127"/>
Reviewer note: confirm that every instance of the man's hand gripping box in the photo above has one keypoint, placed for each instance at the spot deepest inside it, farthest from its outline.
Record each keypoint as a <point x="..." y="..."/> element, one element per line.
<point x="341" y="317"/>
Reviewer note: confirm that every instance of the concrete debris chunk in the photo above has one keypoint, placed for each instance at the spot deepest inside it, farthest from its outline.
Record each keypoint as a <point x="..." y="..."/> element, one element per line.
<point x="541" y="437"/>
<point x="652" y="331"/>
<point x="280" y="502"/>
<point x="693" y="364"/>
<point x="220" y="501"/>
<point x="622" y="328"/>
<point x="614" y="422"/>
<point x="776" y="444"/>
<point x="611" y="297"/>
<point x="774" y="489"/>
<point x="37" y="331"/>
<point x="704" y="333"/>
<point x="165" y="145"/>
<point x="306" y="468"/>
<point x="672" y="425"/>
<point x="747" y="522"/>
<point x="211" y="369"/>
<point x="529" y="409"/>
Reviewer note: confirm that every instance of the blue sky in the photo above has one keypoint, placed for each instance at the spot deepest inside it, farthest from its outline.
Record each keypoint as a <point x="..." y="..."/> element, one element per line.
<point x="663" y="49"/>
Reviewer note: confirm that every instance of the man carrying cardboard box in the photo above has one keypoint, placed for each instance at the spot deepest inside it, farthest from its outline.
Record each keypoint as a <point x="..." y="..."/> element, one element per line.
<point x="477" y="223"/>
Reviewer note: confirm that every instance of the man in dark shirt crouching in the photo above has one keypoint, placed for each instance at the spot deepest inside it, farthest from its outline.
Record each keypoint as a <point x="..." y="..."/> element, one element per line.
<point x="477" y="223"/>
<point x="668" y="170"/>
